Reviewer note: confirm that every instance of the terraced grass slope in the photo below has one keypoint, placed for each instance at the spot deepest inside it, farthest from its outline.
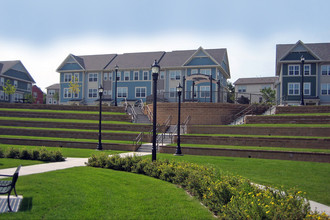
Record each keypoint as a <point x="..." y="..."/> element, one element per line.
<point x="306" y="139"/>
<point x="68" y="126"/>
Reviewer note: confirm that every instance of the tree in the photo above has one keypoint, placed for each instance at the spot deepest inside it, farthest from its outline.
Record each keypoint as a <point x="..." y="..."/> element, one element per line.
<point x="9" y="89"/>
<point x="56" y="96"/>
<point x="231" y="92"/>
<point x="74" y="86"/>
<point x="29" y="98"/>
<point x="268" y="95"/>
<point x="243" y="100"/>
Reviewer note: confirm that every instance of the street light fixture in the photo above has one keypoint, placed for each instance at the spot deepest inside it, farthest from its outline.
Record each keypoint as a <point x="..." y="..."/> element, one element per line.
<point x="116" y="70"/>
<point x="302" y="59"/>
<point x="178" y="148"/>
<point x="99" y="146"/>
<point x="155" y="68"/>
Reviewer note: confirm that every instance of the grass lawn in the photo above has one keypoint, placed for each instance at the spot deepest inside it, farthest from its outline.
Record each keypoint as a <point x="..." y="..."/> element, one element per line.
<point x="286" y="125"/>
<point x="310" y="177"/>
<point x="66" y="120"/>
<point x="61" y="111"/>
<point x="9" y="163"/>
<point x="300" y="114"/>
<point x="67" y="152"/>
<point x="261" y="136"/>
<point x="254" y="148"/>
<point x="92" y="193"/>
<point x="75" y="130"/>
<point x="65" y="139"/>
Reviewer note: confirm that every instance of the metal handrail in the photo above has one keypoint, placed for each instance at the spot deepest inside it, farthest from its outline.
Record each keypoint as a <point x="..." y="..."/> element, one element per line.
<point x="137" y="141"/>
<point x="134" y="114"/>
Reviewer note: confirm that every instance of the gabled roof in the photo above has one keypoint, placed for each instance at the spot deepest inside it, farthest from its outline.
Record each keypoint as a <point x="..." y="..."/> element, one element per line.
<point x="95" y="62"/>
<point x="142" y="60"/>
<point x="54" y="86"/>
<point x="176" y="58"/>
<point x="7" y="65"/>
<point x="256" y="80"/>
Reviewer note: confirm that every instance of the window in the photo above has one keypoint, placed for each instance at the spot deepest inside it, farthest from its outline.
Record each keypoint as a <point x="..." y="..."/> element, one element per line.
<point x="50" y="101"/>
<point x="105" y="76"/>
<point x="136" y="75"/>
<point x="105" y="92"/>
<point x="35" y="94"/>
<point x="325" y="88"/>
<point x="172" y="92"/>
<point x="205" y="91"/>
<point x="175" y="74"/>
<point x="162" y="75"/>
<point x="2" y="95"/>
<point x="206" y="71"/>
<point x="76" y="95"/>
<point x="241" y="88"/>
<point x="307" y="69"/>
<point x="293" y="88"/>
<point x="76" y="77"/>
<point x="294" y="70"/>
<point x="145" y="75"/>
<point x="194" y="71"/>
<point x="265" y="86"/>
<point x="110" y="76"/>
<point x="67" y="93"/>
<point x="67" y="77"/>
<point x="122" y="92"/>
<point x="18" y="97"/>
<point x="325" y="70"/>
<point x="118" y="76"/>
<point x="307" y="88"/>
<point x="110" y="93"/>
<point x="140" y="92"/>
<point x="15" y="83"/>
<point x="29" y="87"/>
<point x="2" y="81"/>
<point x="54" y="101"/>
<point x="51" y="92"/>
<point x="126" y="76"/>
<point x="92" y="93"/>
<point x="92" y="77"/>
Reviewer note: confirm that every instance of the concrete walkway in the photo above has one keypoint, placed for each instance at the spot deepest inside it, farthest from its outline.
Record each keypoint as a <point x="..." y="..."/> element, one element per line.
<point x="77" y="162"/>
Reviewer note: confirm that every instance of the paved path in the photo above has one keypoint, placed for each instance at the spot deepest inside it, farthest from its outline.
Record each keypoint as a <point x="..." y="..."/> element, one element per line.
<point x="77" y="162"/>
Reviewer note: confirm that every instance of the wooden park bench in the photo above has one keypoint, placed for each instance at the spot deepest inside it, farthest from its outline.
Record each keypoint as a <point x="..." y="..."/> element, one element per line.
<point x="6" y="186"/>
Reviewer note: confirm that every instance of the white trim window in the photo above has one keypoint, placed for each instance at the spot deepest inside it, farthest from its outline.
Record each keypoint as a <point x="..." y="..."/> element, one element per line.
<point x="92" y="77"/>
<point x="194" y="71"/>
<point x="118" y="76"/>
<point x="241" y="88"/>
<point x="76" y="77"/>
<point x="67" y="77"/>
<point x="175" y="74"/>
<point x="50" y="101"/>
<point x="110" y="93"/>
<point x="75" y="95"/>
<point x="136" y="75"/>
<point x="67" y="93"/>
<point x="92" y="93"/>
<point x="105" y="76"/>
<point x="140" y="92"/>
<point x="29" y="87"/>
<point x="307" y="70"/>
<point x="293" y="70"/>
<point x="325" y="70"/>
<point x="162" y="75"/>
<point x="105" y="92"/>
<point x="206" y="72"/>
<point x="172" y="92"/>
<point x="2" y="81"/>
<point x="325" y="89"/>
<point x="51" y="92"/>
<point x="2" y="95"/>
<point x="54" y="101"/>
<point x="122" y="92"/>
<point x="126" y="75"/>
<point x="307" y="88"/>
<point x="293" y="88"/>
<point x="15" y="83"/>
<point x="145" y="75"/>
<point x="205" y="91"/>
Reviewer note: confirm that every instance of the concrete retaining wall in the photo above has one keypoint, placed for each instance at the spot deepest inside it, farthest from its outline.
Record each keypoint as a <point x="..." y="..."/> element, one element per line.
<point x="302" y="109"/>
<point x="279" y="155"/>
<point x="287" y="119"/>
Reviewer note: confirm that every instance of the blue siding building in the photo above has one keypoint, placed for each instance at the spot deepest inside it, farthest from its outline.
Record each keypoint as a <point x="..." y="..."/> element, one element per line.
<point x="16" y="74"/>
<point x="316" y="70"/>
<point x="198" y="71"/>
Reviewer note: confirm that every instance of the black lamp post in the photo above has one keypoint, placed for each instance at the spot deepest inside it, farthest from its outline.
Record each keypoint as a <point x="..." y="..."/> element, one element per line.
<point x="99" y="146"/>
<point x="193" y="91"/>
<point x="302" y="59"/>
<point x="116" y="70"/>
<point x="178" y="148"/>
<point x="155" y="71"/>
<point x="211" y="88"/>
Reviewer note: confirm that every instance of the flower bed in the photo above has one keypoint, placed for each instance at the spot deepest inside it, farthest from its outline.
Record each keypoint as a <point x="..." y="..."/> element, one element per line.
<point x="228" y="196"/>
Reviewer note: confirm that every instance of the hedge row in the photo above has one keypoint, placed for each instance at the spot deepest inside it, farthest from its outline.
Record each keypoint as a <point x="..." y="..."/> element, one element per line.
<point x="229" y="197"/>
<point x="35" y="154"/>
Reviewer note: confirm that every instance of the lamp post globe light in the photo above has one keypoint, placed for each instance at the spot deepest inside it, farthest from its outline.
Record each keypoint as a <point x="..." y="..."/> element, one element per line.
<point x="155" y="68"/>
<point x="302" y="59"/>
<point x="116" y="70"/>
<point x="99" y="146"/>
<point x="178" y="148"/>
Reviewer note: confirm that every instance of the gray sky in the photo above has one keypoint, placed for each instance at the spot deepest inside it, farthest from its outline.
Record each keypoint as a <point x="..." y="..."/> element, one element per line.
<point x="42" y="33"/>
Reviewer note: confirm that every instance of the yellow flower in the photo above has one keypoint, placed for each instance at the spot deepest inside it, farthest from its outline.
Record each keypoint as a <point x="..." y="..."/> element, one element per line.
<point x="267" y="212"/>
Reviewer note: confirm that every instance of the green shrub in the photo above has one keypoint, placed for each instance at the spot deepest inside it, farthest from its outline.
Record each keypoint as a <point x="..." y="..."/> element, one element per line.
<point x="13" y="153"/>
<point x="2" y="155"/>
<point x="25" y="154"/>
<point x="37" y="154"/>
<point x="228" y="196"/>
